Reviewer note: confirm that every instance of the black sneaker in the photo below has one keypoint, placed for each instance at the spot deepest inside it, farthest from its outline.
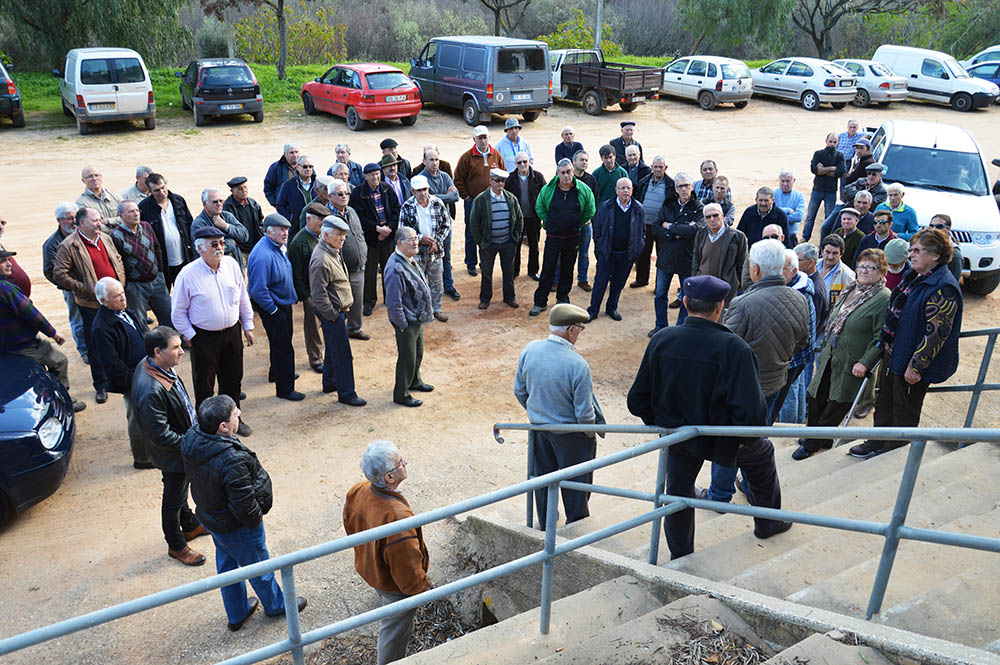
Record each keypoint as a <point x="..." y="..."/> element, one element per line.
<point x="866" y="450"/>
<point x="453" y="294"/>
<point x="801" y="453"/>
<point x="244" y="429"/>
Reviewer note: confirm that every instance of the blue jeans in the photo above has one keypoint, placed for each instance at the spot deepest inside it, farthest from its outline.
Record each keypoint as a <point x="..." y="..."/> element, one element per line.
<point x="76" y="323"/>
<point x="828" y="199"/>
<point x="583" y="258"/>
<point x="661" y="298"/>
<point x="242" y="548"/>
<point x="723" y="485"/>
<point x="471" y="248"/>
<point x="449" y="282"/>
<point x="794" y="408"/>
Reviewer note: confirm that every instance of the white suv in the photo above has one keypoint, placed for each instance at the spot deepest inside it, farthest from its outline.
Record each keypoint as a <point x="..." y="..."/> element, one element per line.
<point x="943" y="171"/>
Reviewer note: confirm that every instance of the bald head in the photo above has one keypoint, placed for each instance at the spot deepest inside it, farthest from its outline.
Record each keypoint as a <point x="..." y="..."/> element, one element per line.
<point x="773" y="231"/>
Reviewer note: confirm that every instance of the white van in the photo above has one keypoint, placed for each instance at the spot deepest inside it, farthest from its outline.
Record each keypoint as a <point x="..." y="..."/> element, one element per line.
<point x="106" y="85"/>
<point x="934" y="76"/>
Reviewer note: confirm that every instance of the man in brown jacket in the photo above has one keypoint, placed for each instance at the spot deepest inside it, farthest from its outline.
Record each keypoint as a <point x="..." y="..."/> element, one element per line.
<point x="85" y="256"/>
<point x="472" y="178"/>
<point x="395" y="566"/>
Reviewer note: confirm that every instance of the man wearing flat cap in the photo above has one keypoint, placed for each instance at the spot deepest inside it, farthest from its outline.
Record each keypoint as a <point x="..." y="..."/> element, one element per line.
<point x="497" y="223"/>
<point x="701" y="373"/>
<point x="355" y="253"/>
<point x="870" y="182"/>
<point x="378" y="210"/>
<point x="246" y="211"/>
<point x="300" y="251"/>
<point x="272" y="291"/>
<point x="391" y="176"/>
<point x="390" y="147"/>
<point x="554" y="385"/>
<point x="210" y="307"/>
<point x="624" y="141"/>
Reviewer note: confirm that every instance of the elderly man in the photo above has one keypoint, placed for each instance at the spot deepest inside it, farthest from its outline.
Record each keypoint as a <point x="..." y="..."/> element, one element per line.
<point x="497" y="224"/>
<point x="441" y="185"/>
<point x="771" y="232"/>
<point x="554" y="385"/>
<point x="719" y="250"/>
<point x="408" y="304"/>
<point x="428" y="216"/>
<point x="300" y="251"/>
<point x="850" y="233"/>
<point x="232" y="493"/>
<point x="904" y="217"/>
<point x="66" y="224"/>
<point x="472" y="178"/>
<point x="96" y="197"/>
<point x="847" y="140"/>
<point x="395" y="566"/>
<point x="627" y="138"/>
<point x="321" y="195"/>
<point x="721" y="196"/>
<point x="568" y="146"/>
<point x="210" y="308"/>
<point x="565" y="205"/>
<point x="619" y="236"/>
<point x="827" y="166"/>
<point x="859" y="161"/>
<point x="165" y="413"/>
<point x="511" y="144"/>
<point x="863" y="204"/>
<point x="704" y="188"/>
<point x="246" y="211"/>
<point x="214" y="217"/>
<point x="280" y="171"/>
<point x="808" y="256"/>
<point x="84" y="257"/>
<point x="870" y="183"/>
<point x="580" y="162"/>
<point x="763" y="213"/>
<point x="390" y="147"/>
<point x="296" y="192"/>
<point x="525" y="183"/>
<point x="378" y="210"/>
<point x="700" y="372"/>
<point x="272" y="292"/>
<point x="330" y="290"/>
<point x="355" y="174"/>
<point x="342" y="172"/>
<point x="168" y="214"/>
<point x="675" y="228"/>
<point x="634" y="166"/>
<point x="21" y="323"/>
<point x="18" y="277"/>
<point x="836" y="274"/>
<point x="117" y="344"/>
<point x="652" y="191"/>
<point x="790" y="407"/>
<point x="143" y="258"/>
<point x="138" y="191"/>
<point x="397" y="182"/>
<point x="790" y="202"/>
<point x="355" y="253"/>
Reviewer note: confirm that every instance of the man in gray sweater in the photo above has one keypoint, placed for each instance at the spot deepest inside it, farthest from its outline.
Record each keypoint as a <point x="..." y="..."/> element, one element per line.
<point x="553" y="384"/>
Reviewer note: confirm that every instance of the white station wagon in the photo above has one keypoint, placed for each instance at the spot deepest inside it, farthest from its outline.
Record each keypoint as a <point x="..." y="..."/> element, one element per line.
<point x="709" y="79"/>
<point x="876" y="82"/>
<point x="809" y="81"/>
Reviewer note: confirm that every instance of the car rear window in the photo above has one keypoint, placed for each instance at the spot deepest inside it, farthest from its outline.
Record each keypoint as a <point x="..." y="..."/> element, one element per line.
<point x="517" y="60"/>
<point x="735" y="72"/>
<point x="95" y="72"/>
<point x="387" y="80"/>
<point x="226" y="75"/>
<point x="878" y="69"/>
<point x="128" y="70"/>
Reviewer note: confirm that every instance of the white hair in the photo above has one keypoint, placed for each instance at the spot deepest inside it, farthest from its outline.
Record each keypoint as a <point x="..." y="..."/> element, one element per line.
<point x="65" y="208"/>
<point x="340" y="166"/>
<point x="713" y="206"/>
<point x="142" y="170"/>
<point x="200" y="243"/>
<point x="792" y="258"/>
<point x="206" y="192"/>
<point x="567" y="128"/>
<point x="379" y="459"/>
<point x="335" y="148"/>
<point x="619" y="182"/>
<point x="558" y="329"/>
<point x="632" y="149"/>
<point x="658" y="158"/>
<point x="682" y="178"/>
<point x="101" y="288"/>
<point x="786" y="173"/>
<point x="807" y="251"/>
<point x="338" y="185"/>
<point x="522" y="154"/>
<point x="865" y="194"/>
<point x="896" y="187"/>
<point x="769" y="256"/>
<point x="123" y="203"/>
<point x="288" y="146"/>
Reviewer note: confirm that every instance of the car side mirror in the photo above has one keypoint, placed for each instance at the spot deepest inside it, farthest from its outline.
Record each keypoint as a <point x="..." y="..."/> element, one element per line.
<point x="319" y="79"/>
<point x="413" y="63"/>
<point x="179" y="75"/>
<point x="10" y="66"/>
<point x="996" y="162"/>
<point x="55" y="72"/>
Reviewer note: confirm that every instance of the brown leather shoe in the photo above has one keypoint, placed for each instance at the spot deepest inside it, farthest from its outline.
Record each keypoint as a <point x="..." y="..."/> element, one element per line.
<point x="359" y="334"/>
<point x="195" y="532"/>
<point x="187" y="556"/>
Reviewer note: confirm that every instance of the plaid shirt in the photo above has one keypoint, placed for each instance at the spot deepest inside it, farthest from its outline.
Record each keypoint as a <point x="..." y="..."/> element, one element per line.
<point x="379" y="205"/>
<point x="440" y="221"/>
<point x="845" y="144"/>
<point x="140" y="252"/>
<point x="20" y="322"/>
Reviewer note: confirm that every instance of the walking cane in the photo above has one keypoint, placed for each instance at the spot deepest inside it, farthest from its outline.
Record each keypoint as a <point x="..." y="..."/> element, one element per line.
<point x="857" y="398"/>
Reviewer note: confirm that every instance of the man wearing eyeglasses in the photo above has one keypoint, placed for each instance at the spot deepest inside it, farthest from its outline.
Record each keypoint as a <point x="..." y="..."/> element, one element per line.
<point x="295" y="193"/>
<point x="525" y="183"/>
<point x="497" y="224"/>
<point x="719" y="250"/>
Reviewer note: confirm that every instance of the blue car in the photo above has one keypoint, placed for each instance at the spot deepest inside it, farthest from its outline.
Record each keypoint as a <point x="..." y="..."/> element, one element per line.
<point x="37" y="427"/>
<point x="988" y="71"/>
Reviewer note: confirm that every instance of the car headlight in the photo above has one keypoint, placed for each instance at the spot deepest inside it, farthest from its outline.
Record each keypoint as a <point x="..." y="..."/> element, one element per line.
<point x="985" y="238"/>
<point x="50" y="432"/>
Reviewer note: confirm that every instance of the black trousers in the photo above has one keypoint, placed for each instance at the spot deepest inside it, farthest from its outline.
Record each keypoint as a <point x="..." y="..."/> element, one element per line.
<point x="821" y="411"/>
<point x="338" y="363"/>
<point x="897" y="404"/>
<point x="554" y="451"/>
<point x="279" y="341"/>
<point x="644" y="259"/>
<point x="558" y="251"/>
<point x="175" y="514"/>
<point x="97" y="374"/>
<point x="487" y="258"/>
<point x="378" y="255"/>
<point x="532" y="233"/>
<point x="217" y="354"/>
<point x="755" y="459"/>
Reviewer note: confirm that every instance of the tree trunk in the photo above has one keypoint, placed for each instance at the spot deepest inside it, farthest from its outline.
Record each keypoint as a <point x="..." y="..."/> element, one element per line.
<point x="496" y="22"/>
<point x="227" y="17"/>
<point x="282" y="40"/>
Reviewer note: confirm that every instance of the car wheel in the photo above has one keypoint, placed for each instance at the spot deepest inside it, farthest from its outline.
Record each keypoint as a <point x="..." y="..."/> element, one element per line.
<point x="628" y="107"/>
<point x="409" y="120"/>
<point x="470" y="113"/>
<point x="6" y="510"/>
<point x="593" y="102"/>
<point x="862" y="98"/>
<point x="354" y="121"/>
<point x="18" y="119"/>
<point x="530" y="116"/>
<point x="838" y="105"/>
<point x="258" y="116"/>
<point x="706" y="100"/>
<point x="184" y="105"/>
<point x="307" y="104"/>
<point x="199" y="119"/>
<point x="149" y="123"/>
<point x="740" y="105"/>
<point x="66" y="111"/>
<point x="810" y="100"/>
<point x="982" y="286"/>
<point x="961" y="102"/>
<point x="82" y="127"/>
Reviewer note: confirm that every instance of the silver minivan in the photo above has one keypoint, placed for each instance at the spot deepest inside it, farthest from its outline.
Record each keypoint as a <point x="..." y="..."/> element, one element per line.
<point x="106" y="85"/>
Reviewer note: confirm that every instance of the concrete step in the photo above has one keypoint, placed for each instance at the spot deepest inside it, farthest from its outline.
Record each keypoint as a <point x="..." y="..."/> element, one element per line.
<point x="859" y="497"/>
<point x="574" y="619"/>
<point x="822" y="650"/>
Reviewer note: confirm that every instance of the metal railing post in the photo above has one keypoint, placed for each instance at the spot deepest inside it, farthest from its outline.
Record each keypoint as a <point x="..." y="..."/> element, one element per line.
<point x="906" y="485"/>
<point x="654" y="536"/>
<point x="529" y="517"/>
<point x="984" y="366"/>
<point x="551" y="517"/>
<point x="292" y="613"/>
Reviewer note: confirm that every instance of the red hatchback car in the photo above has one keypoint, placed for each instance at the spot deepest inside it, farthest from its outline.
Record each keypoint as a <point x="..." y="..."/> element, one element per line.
<point x="363" y="92"/>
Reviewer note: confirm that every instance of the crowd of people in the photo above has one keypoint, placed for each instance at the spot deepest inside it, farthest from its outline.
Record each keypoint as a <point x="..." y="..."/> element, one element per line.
<point x="768" y="326"/>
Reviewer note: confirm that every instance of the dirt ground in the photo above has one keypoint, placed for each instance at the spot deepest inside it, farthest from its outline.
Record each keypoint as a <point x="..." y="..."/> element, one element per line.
<point x="97" y="541"/>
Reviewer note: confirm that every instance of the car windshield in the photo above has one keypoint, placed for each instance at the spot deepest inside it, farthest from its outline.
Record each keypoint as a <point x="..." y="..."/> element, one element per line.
<point x="518" y="60"/>
<point x="387" y="80"/>
<point x="936" y="169"/>
<point x="956" y="69"/>
<point x="226" y="75"/>
<point x="737" y="71"/>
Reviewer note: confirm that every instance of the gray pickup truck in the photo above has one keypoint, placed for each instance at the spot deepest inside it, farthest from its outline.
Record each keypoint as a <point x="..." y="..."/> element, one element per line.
<point x="585" y="76"/>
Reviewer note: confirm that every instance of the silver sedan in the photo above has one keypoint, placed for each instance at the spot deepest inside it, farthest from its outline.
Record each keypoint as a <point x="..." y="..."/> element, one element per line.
<point x="876" y="82"/>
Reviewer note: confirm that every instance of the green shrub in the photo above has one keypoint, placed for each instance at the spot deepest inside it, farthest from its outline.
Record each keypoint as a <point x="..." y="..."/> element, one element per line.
<point x="576" y="33"/>
<point x="210" y="40"/>
<point x="312" y="36"/>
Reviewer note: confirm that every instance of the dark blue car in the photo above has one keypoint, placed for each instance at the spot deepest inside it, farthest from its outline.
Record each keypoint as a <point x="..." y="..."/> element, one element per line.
<point x="988" y="71"/>
<point x="10" y="97"/>
<point x="37" y="428"/>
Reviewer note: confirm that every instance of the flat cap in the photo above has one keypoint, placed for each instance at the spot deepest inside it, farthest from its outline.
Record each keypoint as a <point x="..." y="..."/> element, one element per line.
<point x="317" y="209"/>
<point x="4" y="254"/>
<point x="209" y="231"/>
<point x="388" y="143"/>
<point x="236" y="182"/>
<point x="499" y="173"/>
<point x="325" y="181"/>
<point x="626" y="123"/>
<point x="511" y="124"/>
<point x="565" y="314"/>
<point x="706" y="287"/>
<point x="419" y="182"/>
<point x="372" y="166"/>
<point x="335" y="222"/>
<point x="896" y="251"/>
<point x="480" y="130"/>
<point x="875" y="166"/>
<point x="850" y="211"/>
<point x="863" y="141"/>
<point x="276" y="219"/>
<point x="388" y="160"/>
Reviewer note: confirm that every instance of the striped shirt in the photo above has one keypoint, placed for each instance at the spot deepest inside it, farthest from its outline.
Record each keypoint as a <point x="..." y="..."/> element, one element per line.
<point x="500" y="218"/>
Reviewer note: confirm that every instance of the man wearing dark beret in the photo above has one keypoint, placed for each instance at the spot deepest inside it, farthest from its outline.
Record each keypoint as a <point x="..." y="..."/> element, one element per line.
<point x="701" y="373"/>
<point x="390" y="147"/>
<point x="624" y="141"/>
<point x="246" y="211"/>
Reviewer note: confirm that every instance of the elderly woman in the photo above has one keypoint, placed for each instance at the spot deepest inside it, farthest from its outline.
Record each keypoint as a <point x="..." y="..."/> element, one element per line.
<point x="850" y="349"/>
<point x="919" y="337"/>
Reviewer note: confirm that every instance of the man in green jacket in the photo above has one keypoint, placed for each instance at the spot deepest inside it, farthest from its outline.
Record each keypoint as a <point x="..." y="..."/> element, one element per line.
<point x="496" y="222"/>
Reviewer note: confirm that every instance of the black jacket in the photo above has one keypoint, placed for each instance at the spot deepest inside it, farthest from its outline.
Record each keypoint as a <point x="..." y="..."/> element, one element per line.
<point x="162" y="415"/>
<point x="642" y="172"/>
<point x="118" y="347"/>
<point x="535" y="183"/>
<point x="618" y="144"/>
<point x="251" y="216"/>
<point x="639" y="191"/>
<point x="699" y="373"/>
<point x="734" y="253"/>
<point x="149" y="211"/>
<point x="752" y="224"/>
<point x="827" y="157"/>
<point x="603" y="226"/>
<point x="361" y="201"/>
<point x="231" y="489"/>
<point x="49" y="255"/>
<point x="277" y="174"/>
<point x="675" y="246"/>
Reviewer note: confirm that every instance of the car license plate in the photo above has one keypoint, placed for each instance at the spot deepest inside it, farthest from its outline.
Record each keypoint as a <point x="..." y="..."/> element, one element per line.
<point x="638" y="99"/>
<point x="846" y="84"/>
<point x="395" y="98"/>
<point x="521" y="97"/>
<point x="107" y="106"/>
<point x="230" y="107"/>
<point x="898" y="86"/>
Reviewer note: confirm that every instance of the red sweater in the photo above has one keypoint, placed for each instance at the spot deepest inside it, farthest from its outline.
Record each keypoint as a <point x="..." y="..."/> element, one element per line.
<point x="99" y="257"/>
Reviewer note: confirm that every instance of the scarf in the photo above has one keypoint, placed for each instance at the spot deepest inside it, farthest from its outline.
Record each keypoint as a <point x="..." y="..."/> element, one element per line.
<point x="851" y="298"/>
<point x="897" y="302"/>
